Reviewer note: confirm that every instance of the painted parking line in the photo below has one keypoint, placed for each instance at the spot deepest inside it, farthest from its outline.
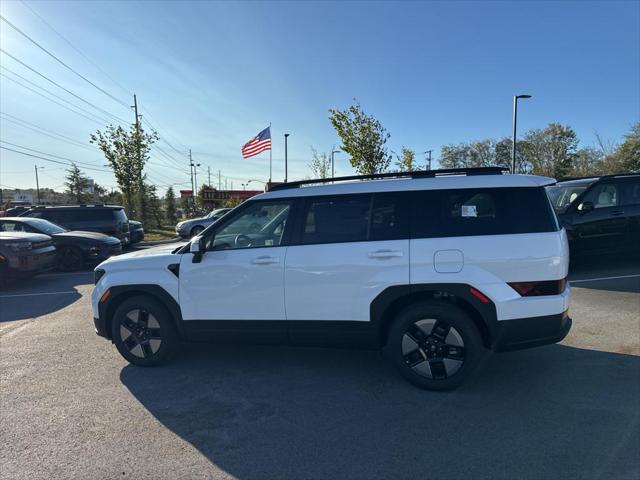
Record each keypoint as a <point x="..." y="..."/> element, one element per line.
<point x="604" y="278"/>
<point x="36" y="294"/>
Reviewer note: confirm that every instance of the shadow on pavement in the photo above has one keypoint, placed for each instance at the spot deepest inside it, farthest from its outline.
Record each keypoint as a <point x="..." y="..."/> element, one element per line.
<point x="626" y="267"/>
<point x="269" y="412"/>
<point x="40" y="295"/>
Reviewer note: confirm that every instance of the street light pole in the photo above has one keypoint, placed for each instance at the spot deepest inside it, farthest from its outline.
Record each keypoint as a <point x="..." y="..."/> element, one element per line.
<point x="333" y="171"/>
<point x="286" y="135"/>
<point x="515" y="122"/>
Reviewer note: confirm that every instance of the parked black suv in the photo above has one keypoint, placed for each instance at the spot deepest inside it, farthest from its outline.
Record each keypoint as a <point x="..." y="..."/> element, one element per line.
<point x="109" y="219"/>
<point x="600" y="214"/>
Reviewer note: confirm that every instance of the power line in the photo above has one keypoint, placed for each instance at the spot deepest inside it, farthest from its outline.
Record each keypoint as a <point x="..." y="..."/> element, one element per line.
<point x="49" y="133"/>
<point x="99" y="122"/>
<point x="62" y="63"/>
<point x="47" y="159"/>
<point x="92" y="165"/>
<point x="51" y="93"/>
<point x="61" y="87"/>
<point x="75" y="48"/>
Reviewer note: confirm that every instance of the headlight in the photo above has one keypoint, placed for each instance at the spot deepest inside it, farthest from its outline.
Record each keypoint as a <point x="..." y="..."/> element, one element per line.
<point x="20" y="246"/>
<point x="97" y="275"/>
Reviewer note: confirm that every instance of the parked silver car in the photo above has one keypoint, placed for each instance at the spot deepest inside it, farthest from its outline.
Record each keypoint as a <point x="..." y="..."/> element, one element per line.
<point x="189" y="228"/>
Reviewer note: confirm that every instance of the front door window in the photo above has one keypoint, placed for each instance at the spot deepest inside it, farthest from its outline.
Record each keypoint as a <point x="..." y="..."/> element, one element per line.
<point x="260" y="225"/>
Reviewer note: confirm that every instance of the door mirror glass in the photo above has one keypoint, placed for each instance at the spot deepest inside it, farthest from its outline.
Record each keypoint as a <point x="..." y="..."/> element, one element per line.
<point x="585" y="207"/>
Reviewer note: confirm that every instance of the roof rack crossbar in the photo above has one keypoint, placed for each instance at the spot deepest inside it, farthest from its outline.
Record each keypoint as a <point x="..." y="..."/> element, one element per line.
<point x="414" y="174"/>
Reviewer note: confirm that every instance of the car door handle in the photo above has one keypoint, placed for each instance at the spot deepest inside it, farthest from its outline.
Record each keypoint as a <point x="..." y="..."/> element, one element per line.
<point x="385" y="254"/>
<point x="265" y="260"/>
<point x="617" y="213"/>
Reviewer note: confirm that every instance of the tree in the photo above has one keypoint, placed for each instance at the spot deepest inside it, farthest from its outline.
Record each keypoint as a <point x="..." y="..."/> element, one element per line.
<point x="363" y="138"/>
<point x="628" y="153"/>
<point x="76" y="184"/>
<point x="481" y="153"/>
<point x="552" y="150"/>
<point x="320" y="164"/>
<point x="588" y="161"/>
<point x="170" y="206"/>
<point x="127" y="153"/>
<point x="152" y="214"/>
<point x="406" y="160"/>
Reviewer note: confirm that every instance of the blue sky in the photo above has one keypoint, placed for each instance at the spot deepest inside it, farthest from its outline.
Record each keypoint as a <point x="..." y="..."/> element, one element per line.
<point x="210" y="75"/>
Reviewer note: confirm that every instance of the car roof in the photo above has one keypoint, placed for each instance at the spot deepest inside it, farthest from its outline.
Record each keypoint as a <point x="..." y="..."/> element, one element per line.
<point x="74" y="207"/>
<point x="410" y="184"/>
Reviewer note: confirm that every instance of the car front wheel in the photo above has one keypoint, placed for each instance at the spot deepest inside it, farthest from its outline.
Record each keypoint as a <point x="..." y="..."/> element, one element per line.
<point x="435" y="345"/>
<point x="143" y="331"/>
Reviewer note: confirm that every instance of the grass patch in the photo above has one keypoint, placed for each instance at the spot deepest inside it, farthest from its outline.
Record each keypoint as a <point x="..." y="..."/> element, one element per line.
<point x="159" y="234"/>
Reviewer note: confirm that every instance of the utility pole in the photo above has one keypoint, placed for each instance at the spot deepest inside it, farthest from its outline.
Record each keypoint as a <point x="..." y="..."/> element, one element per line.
<point x="191" y="174"/>
<point x="429" y="158"/>
<point x="219" y="181"/>
<point x="37" y="183"/>
<point x="209" y="174"/>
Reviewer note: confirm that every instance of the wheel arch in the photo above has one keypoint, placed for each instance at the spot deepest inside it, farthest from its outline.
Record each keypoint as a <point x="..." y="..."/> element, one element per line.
<point x="392" y="300"/>
<point x="121" y="293"/>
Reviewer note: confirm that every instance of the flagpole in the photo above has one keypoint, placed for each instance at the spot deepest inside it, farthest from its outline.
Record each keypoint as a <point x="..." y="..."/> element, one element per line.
<point x="270" y="154"/>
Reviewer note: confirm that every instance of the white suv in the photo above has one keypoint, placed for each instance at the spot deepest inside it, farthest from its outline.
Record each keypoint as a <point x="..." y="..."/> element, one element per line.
<point x="433" y="267"/>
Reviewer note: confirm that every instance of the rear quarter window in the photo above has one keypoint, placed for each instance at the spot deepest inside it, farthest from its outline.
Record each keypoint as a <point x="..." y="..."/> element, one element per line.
<point x="489" y="211"/>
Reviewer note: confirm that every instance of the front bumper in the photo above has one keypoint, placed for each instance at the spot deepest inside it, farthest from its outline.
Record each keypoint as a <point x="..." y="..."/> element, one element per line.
<point x="32" y="263"/>
<point x="531" y="332"/>
<point x="99" y="254"/>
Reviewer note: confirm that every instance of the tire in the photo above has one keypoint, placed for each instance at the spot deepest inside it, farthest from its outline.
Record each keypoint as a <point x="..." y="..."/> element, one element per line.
<point x="70" y="259"/>
<point x="195" y="231"/>
<point x="143" y="331"/>
<point x="434" y="345"/>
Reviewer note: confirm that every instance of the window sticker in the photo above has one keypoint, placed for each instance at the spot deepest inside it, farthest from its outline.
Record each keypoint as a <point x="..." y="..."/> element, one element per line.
<point x="469" y="211"/>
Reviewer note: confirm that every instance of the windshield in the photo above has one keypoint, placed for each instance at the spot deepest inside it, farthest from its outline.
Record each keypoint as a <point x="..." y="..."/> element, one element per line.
<point x="45" y="226"/>
<point x="562" y="196"/>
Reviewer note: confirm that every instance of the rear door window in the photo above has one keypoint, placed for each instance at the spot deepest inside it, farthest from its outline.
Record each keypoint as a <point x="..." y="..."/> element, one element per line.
<point x="343" y="218"/>
<point x="488" y="211"/>
<point x="630" y="192"/>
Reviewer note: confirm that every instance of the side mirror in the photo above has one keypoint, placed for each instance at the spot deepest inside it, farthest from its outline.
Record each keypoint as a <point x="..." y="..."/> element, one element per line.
<point x="585" y="207"/>
<point x="196" y="247"/>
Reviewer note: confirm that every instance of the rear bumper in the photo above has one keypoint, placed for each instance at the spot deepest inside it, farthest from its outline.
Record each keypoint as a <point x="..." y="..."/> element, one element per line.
<point x="531" y="332"/>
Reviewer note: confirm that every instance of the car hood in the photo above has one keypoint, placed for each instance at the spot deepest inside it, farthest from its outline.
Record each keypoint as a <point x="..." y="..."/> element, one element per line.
<point x="148" y="257"/>
<point x="93" y="236"/>
<point x="23" y="236"/>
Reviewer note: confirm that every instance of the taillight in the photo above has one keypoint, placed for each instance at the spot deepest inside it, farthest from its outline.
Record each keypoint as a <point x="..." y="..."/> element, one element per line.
<point x="537" y="289"/>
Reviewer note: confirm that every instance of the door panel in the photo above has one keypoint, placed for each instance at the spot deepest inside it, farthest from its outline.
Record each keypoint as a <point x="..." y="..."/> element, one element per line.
<point x="339" y="281"/>
<point x="241" y="284"/>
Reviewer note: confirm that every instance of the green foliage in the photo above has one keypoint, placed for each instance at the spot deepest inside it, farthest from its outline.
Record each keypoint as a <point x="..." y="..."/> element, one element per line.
<point x="628" y="153"/>
<point x="551" y="151"/>
<point x="320" y="164"/>
<point x="127" y="152"/>
<point x="482" y="153"/>
<point x="363" y="138"/>
<point x="77" y="184"/>
<point x="149" y="211"/>
<point x="405" y="162"/>
<point x="170" y="206"/>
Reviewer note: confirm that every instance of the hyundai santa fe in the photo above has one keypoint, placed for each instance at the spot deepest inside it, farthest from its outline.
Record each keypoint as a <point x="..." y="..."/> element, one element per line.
<point x="431" y="267"/>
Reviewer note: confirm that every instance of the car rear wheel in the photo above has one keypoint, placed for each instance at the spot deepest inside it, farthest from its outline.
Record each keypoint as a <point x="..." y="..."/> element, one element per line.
<point x="196" y="231"/>
<point x="70" y="259"/>
<point x="143" y="331"/>
<point x="435" y="345"/>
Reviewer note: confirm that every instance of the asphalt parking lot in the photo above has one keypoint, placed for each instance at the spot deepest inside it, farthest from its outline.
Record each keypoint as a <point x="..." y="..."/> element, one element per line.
<point x="71" y="407"/>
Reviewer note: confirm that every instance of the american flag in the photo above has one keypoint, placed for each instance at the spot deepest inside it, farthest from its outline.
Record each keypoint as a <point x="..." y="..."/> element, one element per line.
<point x="257" y="144"/>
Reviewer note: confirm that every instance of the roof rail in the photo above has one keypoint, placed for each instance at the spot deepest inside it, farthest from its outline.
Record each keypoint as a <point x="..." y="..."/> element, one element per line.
<point x="600" y="177"/>
<point x="415" y="174"/>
